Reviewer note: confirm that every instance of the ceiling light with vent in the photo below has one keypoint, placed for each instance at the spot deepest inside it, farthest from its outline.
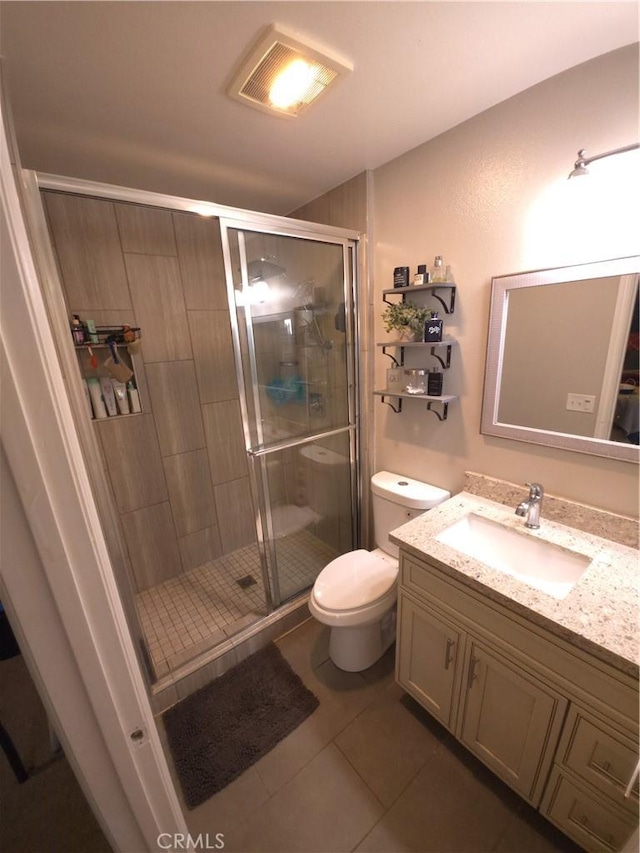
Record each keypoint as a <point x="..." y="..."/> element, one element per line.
<point x="282" y="76"/>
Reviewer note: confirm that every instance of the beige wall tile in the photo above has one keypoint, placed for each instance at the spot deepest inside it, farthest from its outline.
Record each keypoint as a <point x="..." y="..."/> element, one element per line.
<point x="225" y="441"/>
<point x="157" y="297"/>
<point x="199" y="547"/>
<point x="190" y="491"/>
<point x="151" y="540"/>
<point x="201" y="263"/>
<point x="87" y="244"/>
<point x="213" y="354"/>
<point x="130" y="448"/>
<point x="145" y="230"/>
<point x="236" y="519"/>
<point x="174" y="397"/>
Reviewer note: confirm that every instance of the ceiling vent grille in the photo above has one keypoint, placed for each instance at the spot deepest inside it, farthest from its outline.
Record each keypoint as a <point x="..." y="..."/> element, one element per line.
<point x="276" y="56"/>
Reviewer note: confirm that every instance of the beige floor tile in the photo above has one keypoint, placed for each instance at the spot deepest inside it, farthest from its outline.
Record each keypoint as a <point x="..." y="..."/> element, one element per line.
<point x="448" y="808"/>
<point x="307" y="646"/>
<point x="342" y="696"/>
<point x="387" y="745"/>
<point x="230" y="808"/>
<point x="326" y="807"/>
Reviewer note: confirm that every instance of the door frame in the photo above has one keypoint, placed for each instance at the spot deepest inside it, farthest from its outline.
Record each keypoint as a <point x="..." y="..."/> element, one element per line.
<point x="63" y="600"/>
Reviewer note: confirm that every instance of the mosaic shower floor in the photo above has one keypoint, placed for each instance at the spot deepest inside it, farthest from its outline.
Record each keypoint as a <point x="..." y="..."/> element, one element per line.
<point x="191" y="613"/>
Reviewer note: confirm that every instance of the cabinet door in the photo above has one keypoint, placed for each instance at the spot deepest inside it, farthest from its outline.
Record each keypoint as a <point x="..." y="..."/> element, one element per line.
<point x="430" y="658"/>
<point x="509" y="719"/>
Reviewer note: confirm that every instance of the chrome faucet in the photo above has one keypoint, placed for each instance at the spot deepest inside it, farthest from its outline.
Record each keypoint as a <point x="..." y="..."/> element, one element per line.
<point x="531" y="507"/>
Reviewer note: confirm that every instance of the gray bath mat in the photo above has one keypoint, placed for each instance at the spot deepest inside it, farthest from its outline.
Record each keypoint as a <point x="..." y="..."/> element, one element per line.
<point x="218" y="732"/>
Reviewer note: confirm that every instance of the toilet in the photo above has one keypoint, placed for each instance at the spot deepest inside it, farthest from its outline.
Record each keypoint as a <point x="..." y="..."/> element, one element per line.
<point x="355" y="594"/>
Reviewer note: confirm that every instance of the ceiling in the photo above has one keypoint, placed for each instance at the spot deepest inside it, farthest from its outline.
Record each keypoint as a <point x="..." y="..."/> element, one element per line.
<point x="133" y="93"/>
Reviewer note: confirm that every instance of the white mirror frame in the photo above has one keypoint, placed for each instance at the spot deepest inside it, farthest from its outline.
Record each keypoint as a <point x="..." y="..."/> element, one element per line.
<point x="500" y="287"/>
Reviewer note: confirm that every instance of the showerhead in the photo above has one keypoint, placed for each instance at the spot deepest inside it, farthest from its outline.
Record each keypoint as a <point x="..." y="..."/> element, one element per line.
<point x="264" y="269"/>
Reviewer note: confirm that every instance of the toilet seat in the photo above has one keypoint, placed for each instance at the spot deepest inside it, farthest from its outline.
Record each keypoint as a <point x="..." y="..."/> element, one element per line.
<point x="355" y="580"/>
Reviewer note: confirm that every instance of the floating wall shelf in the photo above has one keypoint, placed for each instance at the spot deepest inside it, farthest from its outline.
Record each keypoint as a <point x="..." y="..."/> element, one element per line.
<point x="442" y="401"/>
<point x="448" y="306"/>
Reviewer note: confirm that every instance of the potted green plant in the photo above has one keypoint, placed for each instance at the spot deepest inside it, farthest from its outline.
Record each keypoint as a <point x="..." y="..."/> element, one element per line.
<point x="406" y="319"/>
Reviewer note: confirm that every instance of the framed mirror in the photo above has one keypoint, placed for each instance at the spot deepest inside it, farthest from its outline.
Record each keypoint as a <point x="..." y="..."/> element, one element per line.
<point x="562" y="359"/>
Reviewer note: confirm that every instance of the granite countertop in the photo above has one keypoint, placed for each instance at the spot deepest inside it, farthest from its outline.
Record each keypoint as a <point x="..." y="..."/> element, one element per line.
<point x="600" y="613"/>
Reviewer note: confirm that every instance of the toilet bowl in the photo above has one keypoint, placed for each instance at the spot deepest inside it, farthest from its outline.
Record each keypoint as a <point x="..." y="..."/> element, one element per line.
<point x="355" y="594"/>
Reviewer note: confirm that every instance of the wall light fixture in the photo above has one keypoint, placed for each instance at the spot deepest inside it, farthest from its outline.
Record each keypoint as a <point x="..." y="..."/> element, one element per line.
<point x="581" y="164"/>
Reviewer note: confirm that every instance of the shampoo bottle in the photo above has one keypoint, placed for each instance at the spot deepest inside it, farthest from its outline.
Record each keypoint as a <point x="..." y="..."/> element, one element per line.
<point x="106" y="386"/>
<point x="134" y="397"/>
<point x="96" y="398"/>
<point x="87" y="397"/>
<point x="122" y="401"/>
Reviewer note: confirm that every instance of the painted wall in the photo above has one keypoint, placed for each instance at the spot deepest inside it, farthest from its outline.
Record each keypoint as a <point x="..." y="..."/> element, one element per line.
<point x="491" y="195"/>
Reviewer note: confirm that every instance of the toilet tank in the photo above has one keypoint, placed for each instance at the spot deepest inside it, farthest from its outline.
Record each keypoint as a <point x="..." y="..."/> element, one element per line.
<point x="397" y="499"/>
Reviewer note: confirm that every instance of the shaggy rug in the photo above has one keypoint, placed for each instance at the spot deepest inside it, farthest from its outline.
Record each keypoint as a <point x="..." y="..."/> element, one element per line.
<point x="218" y="732"/>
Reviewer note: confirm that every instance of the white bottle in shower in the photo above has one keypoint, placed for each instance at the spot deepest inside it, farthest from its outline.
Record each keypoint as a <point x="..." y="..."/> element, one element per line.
<point x="122" y="401"/>
<point x="108" y="396"/>
<point x="97" y="402"/>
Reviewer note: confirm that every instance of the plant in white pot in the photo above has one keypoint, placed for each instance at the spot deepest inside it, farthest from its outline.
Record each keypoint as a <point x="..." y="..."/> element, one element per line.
<point x="406" y="319"/>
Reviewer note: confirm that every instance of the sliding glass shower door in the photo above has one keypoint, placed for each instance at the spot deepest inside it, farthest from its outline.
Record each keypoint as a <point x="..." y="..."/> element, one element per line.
<point x="292" y="307"/>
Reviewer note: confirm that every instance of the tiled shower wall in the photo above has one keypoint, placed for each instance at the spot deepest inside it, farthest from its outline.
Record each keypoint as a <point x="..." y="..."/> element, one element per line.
<point x="178" y="470"/>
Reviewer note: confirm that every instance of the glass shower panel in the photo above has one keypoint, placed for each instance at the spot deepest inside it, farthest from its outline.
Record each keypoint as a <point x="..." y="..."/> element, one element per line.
<point x="293" y="337"/>
<point x="308" y="490"/>
<point x="290" y="298"/>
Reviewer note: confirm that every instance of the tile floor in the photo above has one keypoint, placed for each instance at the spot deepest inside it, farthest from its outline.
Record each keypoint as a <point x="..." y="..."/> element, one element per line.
<point x="368" y="771"/>
<point x="192" y="612"/>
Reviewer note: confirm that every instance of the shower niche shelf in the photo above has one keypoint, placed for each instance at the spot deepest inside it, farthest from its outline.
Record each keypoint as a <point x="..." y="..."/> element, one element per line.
<point x="91" y="357"/>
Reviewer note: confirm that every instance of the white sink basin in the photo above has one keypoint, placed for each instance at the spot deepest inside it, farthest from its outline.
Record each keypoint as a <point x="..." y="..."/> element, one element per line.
<point x="540" y="564"/>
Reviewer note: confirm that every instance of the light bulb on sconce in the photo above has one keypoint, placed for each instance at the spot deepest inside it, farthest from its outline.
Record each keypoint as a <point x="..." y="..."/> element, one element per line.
<point x="581" y="165"/>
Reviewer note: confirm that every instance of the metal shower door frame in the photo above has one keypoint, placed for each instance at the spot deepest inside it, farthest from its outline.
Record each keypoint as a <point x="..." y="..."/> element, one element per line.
<point x="258" y="455"/>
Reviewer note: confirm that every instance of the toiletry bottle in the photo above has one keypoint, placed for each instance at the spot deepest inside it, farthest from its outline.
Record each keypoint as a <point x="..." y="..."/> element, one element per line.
<point x="437" y="270"/>
<point x="122" y="401"/>
<point x="106" y="386"/>
<point x="422" y="276"/>
<point x="96" y="398"/>
<point x="433" y="329"/>
<point x="134" y="397"/>
<point x="434" y="383"/>
<point x="77" y="330"/>
<point x="87" y="397"/>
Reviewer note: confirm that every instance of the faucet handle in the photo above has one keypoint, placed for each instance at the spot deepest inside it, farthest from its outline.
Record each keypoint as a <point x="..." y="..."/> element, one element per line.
<point x="535" y="490"/>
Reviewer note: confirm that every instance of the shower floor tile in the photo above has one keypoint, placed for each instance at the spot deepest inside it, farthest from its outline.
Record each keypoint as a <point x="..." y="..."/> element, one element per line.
<point x="191" y="613"/>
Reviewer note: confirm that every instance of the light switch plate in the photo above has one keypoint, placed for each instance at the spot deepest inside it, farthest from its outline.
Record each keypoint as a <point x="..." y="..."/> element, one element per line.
<point x="581" y="402"/>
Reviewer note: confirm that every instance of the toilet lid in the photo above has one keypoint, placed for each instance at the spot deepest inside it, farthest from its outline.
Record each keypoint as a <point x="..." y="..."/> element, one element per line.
<point x="354" y="580"/>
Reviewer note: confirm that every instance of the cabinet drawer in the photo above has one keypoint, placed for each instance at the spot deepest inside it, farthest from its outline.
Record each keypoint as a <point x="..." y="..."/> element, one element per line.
<point x="601" y="756"/>
<point x="594" y="823"/>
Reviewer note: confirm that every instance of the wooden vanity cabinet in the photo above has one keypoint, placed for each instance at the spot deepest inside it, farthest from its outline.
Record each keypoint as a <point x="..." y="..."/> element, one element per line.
<point x="557" y="725"/>
<point x="430" y="667"/>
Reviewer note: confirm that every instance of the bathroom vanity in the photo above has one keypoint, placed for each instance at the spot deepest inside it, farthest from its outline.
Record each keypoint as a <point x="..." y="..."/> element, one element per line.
<point x="539" y="682"/>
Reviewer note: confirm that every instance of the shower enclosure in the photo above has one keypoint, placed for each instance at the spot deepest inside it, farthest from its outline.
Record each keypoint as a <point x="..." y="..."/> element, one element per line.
<point x="293" y="342"/>
<point x="238" y="481"/>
